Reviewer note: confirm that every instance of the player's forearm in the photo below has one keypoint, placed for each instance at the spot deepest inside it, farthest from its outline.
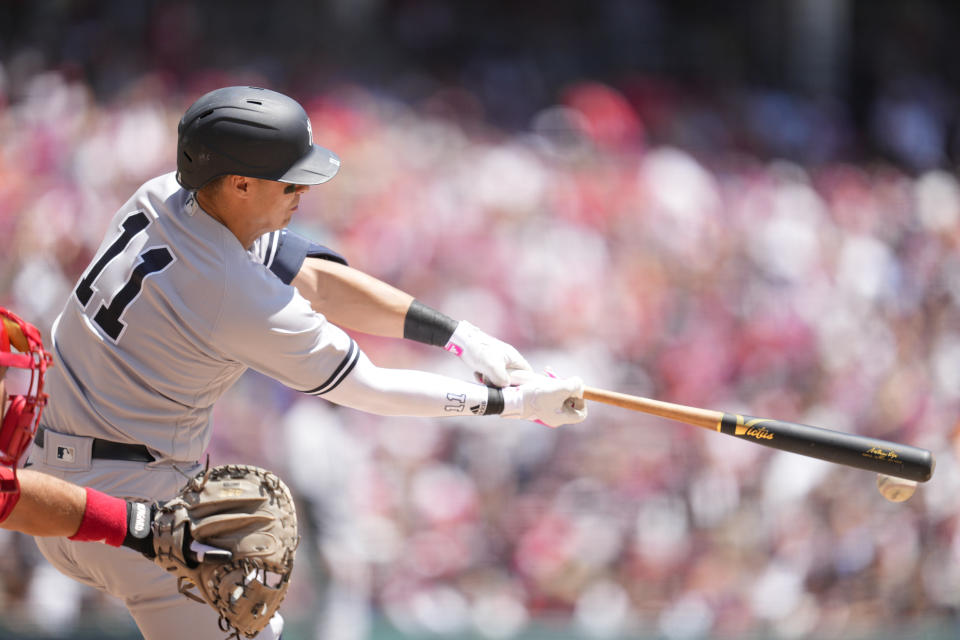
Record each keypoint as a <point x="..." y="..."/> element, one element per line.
<point x="402" y="392"/>
<point x="397" y="392"/>
<point x="47" y="506"/>
<point x="352" y="299"/>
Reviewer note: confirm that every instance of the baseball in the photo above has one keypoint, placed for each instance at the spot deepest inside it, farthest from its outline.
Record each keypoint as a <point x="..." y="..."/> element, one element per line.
<point x="895" y="489"/>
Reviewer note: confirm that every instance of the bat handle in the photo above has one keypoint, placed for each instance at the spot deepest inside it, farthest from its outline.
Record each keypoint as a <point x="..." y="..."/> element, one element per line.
<point x="706" y="418"/>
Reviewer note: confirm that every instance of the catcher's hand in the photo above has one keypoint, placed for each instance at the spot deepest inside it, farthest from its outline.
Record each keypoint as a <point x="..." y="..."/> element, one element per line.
<point x="231" y="534"/>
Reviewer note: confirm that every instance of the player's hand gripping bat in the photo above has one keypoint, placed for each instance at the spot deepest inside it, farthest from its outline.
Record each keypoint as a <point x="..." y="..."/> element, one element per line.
<point x="871" y="454"/>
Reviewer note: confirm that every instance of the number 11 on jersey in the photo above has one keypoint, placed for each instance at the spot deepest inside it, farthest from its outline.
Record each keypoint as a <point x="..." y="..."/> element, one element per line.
<point x="153" y="260"/>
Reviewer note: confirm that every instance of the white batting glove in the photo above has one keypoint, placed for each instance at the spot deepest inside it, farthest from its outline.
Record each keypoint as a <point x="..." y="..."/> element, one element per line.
<point x="550" y="401"/>
<point x="491" y="360"/>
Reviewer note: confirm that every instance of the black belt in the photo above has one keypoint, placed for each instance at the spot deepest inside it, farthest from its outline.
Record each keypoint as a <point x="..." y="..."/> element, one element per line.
<point x="108" y="450"/>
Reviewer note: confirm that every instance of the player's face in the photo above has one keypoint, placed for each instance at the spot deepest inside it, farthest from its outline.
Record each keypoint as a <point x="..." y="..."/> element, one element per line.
<point x="278" y="201"/>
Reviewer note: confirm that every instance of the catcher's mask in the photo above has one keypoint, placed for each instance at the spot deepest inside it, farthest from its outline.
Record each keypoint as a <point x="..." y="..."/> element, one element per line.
<point x="253" y="132"/>
<point x="19" y="423"/>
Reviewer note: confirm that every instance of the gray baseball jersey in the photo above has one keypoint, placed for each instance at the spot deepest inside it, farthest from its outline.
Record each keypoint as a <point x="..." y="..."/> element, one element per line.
<point x="169" y="314"/>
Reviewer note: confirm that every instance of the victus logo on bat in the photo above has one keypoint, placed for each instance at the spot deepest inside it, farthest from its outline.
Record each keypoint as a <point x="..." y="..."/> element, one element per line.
<point x="750" y="429"/>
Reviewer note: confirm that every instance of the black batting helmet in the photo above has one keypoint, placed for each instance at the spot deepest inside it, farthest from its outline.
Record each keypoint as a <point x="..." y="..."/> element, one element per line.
<point x="252" y="132"/>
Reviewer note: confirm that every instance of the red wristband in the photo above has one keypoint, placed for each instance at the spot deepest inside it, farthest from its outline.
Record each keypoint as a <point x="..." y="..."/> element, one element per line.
<point x="104" y="519"/>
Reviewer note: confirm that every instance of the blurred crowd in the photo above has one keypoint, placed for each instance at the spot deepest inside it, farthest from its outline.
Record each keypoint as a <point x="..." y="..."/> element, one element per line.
<point x="632" y="238"/>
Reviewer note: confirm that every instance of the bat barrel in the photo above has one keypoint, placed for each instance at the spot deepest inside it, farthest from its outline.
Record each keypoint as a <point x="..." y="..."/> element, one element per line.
<point x="871" y="454"/>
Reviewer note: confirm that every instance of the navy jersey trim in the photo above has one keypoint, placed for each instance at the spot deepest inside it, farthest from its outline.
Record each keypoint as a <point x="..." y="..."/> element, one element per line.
<point x="284" y="252"/>
<point x="346" y="366"/>
<point x="270" y="252"/>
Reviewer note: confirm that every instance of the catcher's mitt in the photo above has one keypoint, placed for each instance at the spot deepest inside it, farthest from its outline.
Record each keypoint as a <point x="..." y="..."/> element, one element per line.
<point x="247" y="516"/>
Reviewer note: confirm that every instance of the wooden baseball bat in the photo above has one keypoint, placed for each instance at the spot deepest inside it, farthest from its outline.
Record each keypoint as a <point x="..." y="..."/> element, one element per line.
<point x="870" y="454"/>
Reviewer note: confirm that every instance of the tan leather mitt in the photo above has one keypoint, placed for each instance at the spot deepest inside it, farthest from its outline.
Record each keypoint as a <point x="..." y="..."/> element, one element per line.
<point x="230" y="534"/>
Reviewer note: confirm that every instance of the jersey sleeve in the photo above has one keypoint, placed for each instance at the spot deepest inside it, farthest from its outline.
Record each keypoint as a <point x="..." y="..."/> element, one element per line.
<point x="271" y="328"/>
<point x="284" y="251"/>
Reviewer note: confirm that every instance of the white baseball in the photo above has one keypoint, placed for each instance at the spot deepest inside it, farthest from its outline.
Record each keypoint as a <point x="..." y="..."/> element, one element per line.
<point x="895" y="489"/>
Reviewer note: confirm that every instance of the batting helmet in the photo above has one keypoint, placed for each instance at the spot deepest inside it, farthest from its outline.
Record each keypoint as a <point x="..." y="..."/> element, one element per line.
<point x="252" y="132"/>
<point x="19" y="424"/>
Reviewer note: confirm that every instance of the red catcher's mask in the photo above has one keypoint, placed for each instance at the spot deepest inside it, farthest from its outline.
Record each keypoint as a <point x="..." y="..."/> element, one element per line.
<point x="19" y="423"/>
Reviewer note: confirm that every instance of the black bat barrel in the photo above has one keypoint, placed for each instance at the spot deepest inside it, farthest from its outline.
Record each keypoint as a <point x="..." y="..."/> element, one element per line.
<point x="871" y="454"/>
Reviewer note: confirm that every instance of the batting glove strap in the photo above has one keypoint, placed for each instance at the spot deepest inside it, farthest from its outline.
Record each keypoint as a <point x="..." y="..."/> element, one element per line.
<point x="512" y="403"/>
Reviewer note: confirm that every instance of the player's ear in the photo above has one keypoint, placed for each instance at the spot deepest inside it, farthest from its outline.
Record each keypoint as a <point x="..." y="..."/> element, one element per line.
<point x="240" y="185"/>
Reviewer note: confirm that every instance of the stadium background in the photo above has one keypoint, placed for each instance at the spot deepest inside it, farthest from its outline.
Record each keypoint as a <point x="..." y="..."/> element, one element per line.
<point x="737" y="205"/>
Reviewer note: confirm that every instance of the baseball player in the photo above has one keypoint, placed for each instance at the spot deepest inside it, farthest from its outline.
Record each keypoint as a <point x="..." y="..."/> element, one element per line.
<point x="198" y="280"/>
